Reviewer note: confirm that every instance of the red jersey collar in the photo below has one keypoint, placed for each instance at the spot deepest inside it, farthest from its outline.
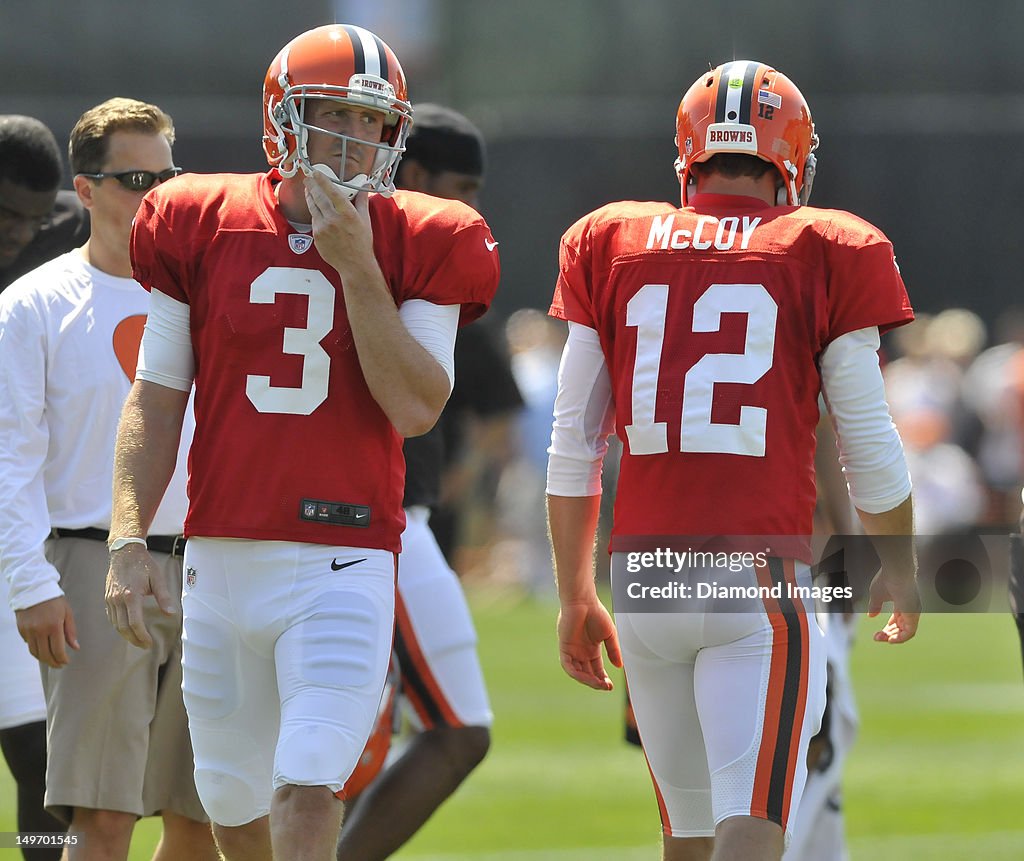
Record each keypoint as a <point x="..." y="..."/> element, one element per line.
<point x="705" y="200"/>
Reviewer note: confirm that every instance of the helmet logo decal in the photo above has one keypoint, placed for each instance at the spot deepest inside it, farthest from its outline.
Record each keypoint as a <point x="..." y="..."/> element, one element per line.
<point x="371" y="86"/>
<point x="767" y="103"/>
<point x="731" y="137"/>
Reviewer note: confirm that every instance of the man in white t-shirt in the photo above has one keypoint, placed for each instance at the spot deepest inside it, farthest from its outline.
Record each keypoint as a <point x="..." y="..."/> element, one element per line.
<point x="70" y="330"/>
<point x="37" y="223"/>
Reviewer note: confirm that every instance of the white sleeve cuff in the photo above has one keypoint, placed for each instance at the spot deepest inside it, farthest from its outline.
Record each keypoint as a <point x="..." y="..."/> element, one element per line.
<point x="870" y="448"/>
<point x="36" y="595"/>
<point x="165" y="355"/>
<point x="31" y="578"/>
<point x="434" y="328"/>
<point x="584" y="417"/>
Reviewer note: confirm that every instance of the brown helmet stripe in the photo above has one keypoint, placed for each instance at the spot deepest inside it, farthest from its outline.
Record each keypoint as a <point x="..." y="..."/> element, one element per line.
<point x="732" y="106"/>
<point x="357" y="48"/>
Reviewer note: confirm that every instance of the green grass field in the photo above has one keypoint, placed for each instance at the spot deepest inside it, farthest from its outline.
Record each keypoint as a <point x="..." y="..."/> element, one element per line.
<point x="937" y="774"/>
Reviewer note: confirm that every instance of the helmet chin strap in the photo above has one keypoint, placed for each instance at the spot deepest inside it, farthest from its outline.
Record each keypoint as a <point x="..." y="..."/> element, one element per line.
<point x="350" y="187"/>
<point x="359" y="182"/>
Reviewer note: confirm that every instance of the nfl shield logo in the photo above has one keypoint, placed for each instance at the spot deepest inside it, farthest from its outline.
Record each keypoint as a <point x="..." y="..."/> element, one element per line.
<point x="299" y="242"/>
<point x="309" y="510"/>
<point x="190" y="577"/>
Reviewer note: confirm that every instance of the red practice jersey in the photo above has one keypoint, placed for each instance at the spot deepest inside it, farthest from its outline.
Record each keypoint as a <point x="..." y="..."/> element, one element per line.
<point x="290" y="445"/>
<point x="712" y="320"/>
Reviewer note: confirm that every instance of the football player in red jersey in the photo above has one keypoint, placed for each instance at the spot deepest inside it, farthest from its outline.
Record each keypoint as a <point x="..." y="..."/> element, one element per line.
<point x="316" y="311"/>
<point x="702" y="335"/>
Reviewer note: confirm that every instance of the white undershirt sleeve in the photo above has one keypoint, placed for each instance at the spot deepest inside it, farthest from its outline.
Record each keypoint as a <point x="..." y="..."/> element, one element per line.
<point x="165" y="355"/>
<point x="584" y="417"/>
<point x="870" y="448"/>
<point x="434" y="328"/>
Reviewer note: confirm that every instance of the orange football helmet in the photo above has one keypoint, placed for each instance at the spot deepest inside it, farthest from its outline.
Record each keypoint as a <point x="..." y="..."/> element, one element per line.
<point x="347" y="64"/>
<point x="748" y="107"/>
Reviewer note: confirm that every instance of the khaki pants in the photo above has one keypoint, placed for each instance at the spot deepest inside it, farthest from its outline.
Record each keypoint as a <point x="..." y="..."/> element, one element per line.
<point x="117" y="737"/>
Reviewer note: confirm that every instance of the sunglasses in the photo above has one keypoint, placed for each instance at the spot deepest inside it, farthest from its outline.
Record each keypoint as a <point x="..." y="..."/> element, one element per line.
<point x="137" y="180"/>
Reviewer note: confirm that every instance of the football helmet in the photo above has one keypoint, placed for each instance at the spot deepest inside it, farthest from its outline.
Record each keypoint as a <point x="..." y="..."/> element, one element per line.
<point x="347" y="64"/>
<point x="748" y="107"/>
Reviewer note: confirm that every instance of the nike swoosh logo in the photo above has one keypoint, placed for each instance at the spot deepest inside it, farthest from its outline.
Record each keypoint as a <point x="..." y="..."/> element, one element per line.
<point x="490" y="245"/>
<point x="336" y="567"/>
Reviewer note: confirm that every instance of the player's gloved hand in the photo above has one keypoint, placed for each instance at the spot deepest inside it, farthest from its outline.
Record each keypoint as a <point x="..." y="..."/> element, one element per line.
<point x="582" y="629"/>
<point x="133" y="576"/>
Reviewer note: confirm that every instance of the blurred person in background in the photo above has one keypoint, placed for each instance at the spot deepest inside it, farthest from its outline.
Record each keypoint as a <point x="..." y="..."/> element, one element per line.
<point x="926" y="388"/>
<point x="446" y="156"/>
<point x="524" y="554"/>
<point x="440" y="688"/>
<point x="118" y="744"/>
<point x="1016" y="579"/>
<point x="993" y="394"/>
<point x="38" y="220"/>
<point x="997" y="384"/>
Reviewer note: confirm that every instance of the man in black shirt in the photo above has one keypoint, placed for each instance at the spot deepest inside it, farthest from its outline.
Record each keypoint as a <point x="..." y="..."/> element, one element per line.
<point x="442" y="688"/>
<point x="37" y="222"/>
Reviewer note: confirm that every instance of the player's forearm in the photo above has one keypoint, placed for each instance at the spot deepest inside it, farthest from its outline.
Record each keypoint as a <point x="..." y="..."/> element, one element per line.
<point x="145" y="455"/>
<point x="833" y="494"/>
<point x="404" y="379"/>
<point x="897" y="525"/>
<point x="572" y="523"/>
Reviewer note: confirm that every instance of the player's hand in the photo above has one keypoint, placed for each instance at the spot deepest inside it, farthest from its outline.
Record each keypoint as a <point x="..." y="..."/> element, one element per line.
<point x="901" y="589"/>
<point x="582" y="630"/>
<point x="48" y="627"/>
<point x="341" y="228"/>
<point x="133" y="575"/>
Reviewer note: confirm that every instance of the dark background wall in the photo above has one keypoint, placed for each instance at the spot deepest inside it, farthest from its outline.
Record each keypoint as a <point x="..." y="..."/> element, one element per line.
<point x="919" y="105"/>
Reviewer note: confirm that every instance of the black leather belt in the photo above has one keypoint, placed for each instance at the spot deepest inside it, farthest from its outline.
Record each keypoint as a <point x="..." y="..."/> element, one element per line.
<point x="172" y="545"/>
